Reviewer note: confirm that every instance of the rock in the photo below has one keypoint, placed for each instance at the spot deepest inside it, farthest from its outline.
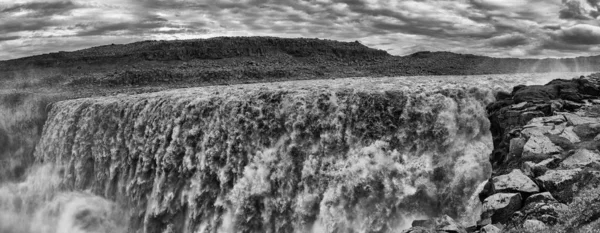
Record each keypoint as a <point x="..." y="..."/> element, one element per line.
<point x="427" y="223"/>
<point x="561" y="142"/>
<point x="581" y="158"/>
<point x="485" y="189"/>
<point x="545" y="197"/>
<point x="570" y="135"/>
<point x="418" y="230"/>
<point x="536" y="129"/>
<point x="519" y="106"/>
<point x="550" y="120"/>
<point x="579" y="120"/>
<point x="499" y="207"/>
<point x="516" y="147"/>
<point x="560" y="183"/>
<point x="539" y="145"/>
<point x="490" y="229"/>
<point x="447" y="224"/>
<point x="587" y="131"/>
<point x="515" y="181"/>
<point x="532" y="225"/>
<point x="543" y="207"/>
<point x="534" y="93"/>
<point x="537" y="169"/>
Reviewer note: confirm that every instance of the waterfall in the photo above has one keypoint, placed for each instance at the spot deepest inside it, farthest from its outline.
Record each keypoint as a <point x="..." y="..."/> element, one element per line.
<point x="356" y="155"/>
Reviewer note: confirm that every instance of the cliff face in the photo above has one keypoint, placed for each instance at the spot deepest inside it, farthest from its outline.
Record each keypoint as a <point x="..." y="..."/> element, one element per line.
<point x="546" y="159"/>
<point x="275" y="159"/>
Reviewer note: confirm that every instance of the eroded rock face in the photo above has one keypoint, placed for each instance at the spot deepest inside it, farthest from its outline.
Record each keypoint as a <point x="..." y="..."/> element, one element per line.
<point x="559" y="149"/>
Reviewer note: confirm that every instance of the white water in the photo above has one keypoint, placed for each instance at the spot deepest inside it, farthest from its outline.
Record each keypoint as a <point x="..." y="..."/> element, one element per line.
<point x="37" y="205"/>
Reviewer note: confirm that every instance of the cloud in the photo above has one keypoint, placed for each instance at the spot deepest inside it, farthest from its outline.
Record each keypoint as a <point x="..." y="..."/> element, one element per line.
<point x="580" y="34"/>
<point x="6" y="38"/>
<point x="510" y="40"/>
<point x="40" y="9"/>
<point x="524" y="28"/>
<point x="573" y="10"/>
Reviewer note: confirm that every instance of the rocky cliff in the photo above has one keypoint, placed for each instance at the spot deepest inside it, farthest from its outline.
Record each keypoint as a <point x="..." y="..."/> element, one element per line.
<point x="546" y="162"/>
<point x="317" y="157"/>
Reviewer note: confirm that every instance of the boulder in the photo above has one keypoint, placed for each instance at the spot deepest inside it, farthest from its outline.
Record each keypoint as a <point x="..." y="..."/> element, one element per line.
<point x="499" y="207"/>
<point x="537" y="169"/>
<point x="545" y="197"/>
<point x="560" y="183"/>
<point x="427" y="223"/>
<point x="419" y="230"/>
<point x="549" y="120"/>
<point x="490" y="229"/>
<point x="579" y="120"/>
<point x="515" y="148"/>
<point x="569" y="135"/>
<point x="587" y="131"/>
<point x="561" y="142"/>
<point x="515" y="181"/>
<point x="539" y="146"/>
<point x="543" y="207"/>
<point x="533" y="225"/>
<point x="536" y="129"/>
<point x="581" y="158"/>
<point x="441" y="224"/>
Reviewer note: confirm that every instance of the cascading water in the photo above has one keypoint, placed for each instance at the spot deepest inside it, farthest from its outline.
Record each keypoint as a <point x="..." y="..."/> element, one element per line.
<point x="351" y="155"/>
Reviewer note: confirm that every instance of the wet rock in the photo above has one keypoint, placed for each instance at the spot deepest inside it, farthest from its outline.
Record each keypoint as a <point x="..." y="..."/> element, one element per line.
<point x="485" y="189"/>
<point x="441" y="224"/>
<point x="515" y="181"/>
<point x="533" y="225"/>
<point x="560" y="183"/>
<point x="499" y="207"/>
<point x="427" y="223"/>
<point x="539" y="146"/>
<point x="581" y="158"/>
<point x="490" y="229"/>
<point x="447" y="224"/>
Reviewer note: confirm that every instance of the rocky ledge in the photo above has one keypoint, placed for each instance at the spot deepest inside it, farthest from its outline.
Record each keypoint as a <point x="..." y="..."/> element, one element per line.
<point x="546" y="162"/>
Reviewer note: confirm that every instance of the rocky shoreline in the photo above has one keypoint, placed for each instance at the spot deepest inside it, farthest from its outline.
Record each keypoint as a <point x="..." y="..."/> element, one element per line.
<point x="546" y="162"/>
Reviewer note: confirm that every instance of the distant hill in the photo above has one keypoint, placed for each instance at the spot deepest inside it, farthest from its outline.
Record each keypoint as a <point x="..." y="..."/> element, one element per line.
<point x="228" y="60"/>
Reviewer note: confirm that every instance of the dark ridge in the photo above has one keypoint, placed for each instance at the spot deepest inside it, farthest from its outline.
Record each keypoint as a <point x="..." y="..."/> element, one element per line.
<point x="232" y="60"/>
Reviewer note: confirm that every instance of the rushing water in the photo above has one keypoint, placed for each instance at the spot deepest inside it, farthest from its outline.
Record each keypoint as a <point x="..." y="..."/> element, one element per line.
<point x="346" y="155"/>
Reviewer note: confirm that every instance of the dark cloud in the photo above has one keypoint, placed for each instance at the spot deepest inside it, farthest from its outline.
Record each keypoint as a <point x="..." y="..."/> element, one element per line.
<point x="5" y="38"/>
<point x="512" y="40"/>
<point x="581" y="34"/>
<point x="41" y="9"/>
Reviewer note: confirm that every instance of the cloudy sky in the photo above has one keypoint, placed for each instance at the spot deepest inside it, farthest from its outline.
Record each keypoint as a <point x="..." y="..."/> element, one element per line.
<point x="501" y="28"/>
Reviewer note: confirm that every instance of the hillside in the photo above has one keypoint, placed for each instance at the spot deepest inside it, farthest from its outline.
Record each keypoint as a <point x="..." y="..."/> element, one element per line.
<point x="230" y="60"/>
